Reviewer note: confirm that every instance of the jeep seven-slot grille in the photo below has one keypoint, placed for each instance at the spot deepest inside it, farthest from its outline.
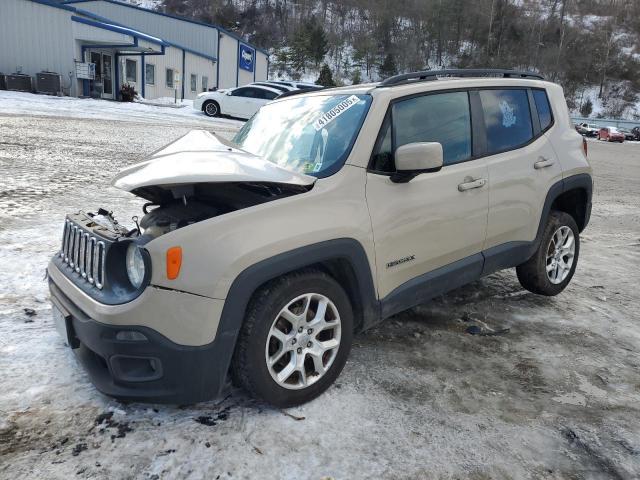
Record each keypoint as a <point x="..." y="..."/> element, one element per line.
<point x="84" y="253"/>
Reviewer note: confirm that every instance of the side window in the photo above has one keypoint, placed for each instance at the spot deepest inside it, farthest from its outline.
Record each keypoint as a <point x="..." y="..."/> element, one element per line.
<point x="131" y="70"/>
<point x="507" y="118"/>
<point x="543" y="107"/>
<point x="267" y="95"/>
<point x="169" y="77"/>
<point x="442" y="117"/>
<point x="244" y="92"/>
<point x="150" y="73"/>
<point x="382" y="158"/>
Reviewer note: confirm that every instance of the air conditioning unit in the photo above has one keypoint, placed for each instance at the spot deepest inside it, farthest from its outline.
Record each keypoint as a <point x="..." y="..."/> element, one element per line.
<point x="3" y="83"/>
<point x="49" y="83"/>
<point x="19" y="82"/>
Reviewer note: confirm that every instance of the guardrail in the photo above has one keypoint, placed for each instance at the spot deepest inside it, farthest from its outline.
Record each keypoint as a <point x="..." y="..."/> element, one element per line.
<point x="607" y="122"/>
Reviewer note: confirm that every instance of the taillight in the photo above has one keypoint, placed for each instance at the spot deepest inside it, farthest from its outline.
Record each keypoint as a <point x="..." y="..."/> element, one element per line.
<point x="584" y="146"/>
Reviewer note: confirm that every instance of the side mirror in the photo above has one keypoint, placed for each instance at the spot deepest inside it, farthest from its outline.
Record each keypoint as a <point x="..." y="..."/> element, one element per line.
<point x="413" y="159"/>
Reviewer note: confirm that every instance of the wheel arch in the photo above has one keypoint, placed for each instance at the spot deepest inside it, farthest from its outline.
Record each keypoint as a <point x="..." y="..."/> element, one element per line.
<point x="575" y="198"/>
<point x="344" y="259"/>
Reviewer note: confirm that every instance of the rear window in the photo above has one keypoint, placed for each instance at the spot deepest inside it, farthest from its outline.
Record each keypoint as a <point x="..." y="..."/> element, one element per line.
<point x="544" y="109"/>
<point x="507" y="118"/>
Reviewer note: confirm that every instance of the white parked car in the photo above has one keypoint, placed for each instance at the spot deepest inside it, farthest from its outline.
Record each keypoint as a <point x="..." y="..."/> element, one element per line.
<point x="241" y="102"/>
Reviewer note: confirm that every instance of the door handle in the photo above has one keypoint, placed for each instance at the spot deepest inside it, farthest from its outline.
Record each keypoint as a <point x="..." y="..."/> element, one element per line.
<point x="542" y="163"/>
<point x="480" y="182"/>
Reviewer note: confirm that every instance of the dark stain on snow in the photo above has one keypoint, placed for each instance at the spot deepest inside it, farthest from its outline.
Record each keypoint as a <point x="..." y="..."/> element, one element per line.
<point x="121" y="428"/>
<point x="603" y="463"/>
<point x="212" y="420"/>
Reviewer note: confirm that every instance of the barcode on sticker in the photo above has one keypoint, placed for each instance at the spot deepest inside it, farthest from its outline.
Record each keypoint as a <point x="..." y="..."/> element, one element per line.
<point x="335" y="112"/>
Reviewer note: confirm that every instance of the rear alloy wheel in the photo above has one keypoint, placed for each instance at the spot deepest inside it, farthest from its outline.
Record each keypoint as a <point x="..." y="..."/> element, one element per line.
<point x="560" y="254"/>
<point x="552" y="266"/>
<point x="295" y="338"/>
<point x="211" y="109"/>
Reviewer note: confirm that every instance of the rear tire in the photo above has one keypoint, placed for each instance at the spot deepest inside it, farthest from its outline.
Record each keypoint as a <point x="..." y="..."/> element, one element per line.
<point x="552" y="266"/>
<point x="211" y="108"/>
<point x="295" y="339"/>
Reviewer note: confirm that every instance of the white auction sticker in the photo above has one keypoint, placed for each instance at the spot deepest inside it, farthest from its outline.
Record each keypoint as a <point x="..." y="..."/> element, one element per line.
<point x="335" y="112"/>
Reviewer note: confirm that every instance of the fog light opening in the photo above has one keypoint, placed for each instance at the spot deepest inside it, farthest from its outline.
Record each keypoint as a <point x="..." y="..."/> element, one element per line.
<point x="131" y="336"/>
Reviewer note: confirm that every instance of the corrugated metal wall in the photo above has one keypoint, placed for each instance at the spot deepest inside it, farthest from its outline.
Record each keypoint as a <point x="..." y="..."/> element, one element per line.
<point x="197" y="37"/>
<point x="36" y="37"/>
<point x="172" y="59"/>
<point x="228" y="61"/>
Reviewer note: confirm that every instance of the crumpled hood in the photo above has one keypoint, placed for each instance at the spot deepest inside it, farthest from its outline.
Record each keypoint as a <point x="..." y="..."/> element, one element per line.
<point x="202" y="157"/>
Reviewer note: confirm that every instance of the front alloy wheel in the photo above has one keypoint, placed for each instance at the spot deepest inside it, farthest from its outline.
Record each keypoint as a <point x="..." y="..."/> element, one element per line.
<point x="211" y="109"/>
<point x="295" y="338"/>
<point x="303" y="341"/>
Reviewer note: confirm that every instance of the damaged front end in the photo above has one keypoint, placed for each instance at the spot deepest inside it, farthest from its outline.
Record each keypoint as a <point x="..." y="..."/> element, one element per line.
<point x="198" y="177"/>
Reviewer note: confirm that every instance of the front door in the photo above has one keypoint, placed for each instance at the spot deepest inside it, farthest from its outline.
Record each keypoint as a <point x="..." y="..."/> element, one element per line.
<point x="95" y="85"/>
<point x="437" y="218"/>
<point x="107" y="76"/>
<point x="102" y="85"/>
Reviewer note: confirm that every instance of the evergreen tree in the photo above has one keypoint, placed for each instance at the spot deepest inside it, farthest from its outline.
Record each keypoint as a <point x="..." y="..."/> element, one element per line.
<point x="299" y="50"/>
<point x="586" y="108"/>
<point x="326" y="77"/>
<point x="388" y="67"/>
<point x="356" y="78"/>
<point x="317" y="44"/>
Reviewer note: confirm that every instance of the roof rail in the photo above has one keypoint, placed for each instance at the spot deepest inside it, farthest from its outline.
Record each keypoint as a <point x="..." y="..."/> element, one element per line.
<point x="427" y="75"/>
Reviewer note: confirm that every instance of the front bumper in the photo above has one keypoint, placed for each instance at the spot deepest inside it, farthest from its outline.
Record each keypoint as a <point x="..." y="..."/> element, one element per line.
<point x="197" y="103"/>
<point x="143" y="366"/>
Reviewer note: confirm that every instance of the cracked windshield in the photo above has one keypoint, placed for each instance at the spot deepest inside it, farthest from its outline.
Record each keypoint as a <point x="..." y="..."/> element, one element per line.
<point x="310" y="135"/>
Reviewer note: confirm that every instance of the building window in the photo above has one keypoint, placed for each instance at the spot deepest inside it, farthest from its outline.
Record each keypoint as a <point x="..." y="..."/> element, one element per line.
<point x="205" y="83"/>
<point x="150" y="74"/>
<point x="169" y="78"/>
<point x="194" y="83"/>
<point x="131" y="70"/>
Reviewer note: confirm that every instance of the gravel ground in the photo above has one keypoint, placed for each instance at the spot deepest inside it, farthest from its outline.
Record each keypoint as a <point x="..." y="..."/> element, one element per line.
<point x="557" y="396"/>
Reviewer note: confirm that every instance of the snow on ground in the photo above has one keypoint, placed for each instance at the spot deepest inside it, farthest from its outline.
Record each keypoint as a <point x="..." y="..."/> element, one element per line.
<point x="69" y="107"/>
<point x="556" y="396"/>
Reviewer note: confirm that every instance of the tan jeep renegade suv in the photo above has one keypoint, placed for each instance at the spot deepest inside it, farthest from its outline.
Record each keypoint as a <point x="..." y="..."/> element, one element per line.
<point x="258" y="259"/>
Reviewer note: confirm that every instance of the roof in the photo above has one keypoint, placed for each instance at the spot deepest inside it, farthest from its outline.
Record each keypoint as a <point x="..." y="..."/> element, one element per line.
<point x="119" y="29"/>
<point x="176" y="17"/>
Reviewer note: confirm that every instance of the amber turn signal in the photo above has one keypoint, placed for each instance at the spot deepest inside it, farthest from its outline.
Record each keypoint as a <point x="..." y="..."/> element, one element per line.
<point x="174" y="261"/>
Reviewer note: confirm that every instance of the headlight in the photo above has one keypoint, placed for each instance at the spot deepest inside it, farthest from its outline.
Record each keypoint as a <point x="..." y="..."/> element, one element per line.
<point x="135" y="265"/>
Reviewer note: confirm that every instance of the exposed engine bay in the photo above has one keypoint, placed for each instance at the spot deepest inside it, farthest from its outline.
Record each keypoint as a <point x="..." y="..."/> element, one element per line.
<point x="173" y="207"/>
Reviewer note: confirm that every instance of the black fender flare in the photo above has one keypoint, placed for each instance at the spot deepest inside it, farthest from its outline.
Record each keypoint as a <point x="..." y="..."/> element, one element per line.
<point x="250" y="279"/>
<point x="512" y="254"/>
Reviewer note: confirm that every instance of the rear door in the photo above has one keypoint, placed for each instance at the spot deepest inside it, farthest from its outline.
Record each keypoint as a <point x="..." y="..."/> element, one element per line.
<point x="437" y="218"/>
<point x="522" y="164"/>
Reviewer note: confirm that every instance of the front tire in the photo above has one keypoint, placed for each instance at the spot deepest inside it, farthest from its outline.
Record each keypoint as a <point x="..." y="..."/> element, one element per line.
<point x="211" y="108"/>
<point x="552" y="266"/>
<point x="295" y="339"/>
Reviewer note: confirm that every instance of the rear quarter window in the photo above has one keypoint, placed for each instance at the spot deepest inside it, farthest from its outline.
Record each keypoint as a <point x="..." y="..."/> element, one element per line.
<point x="507" y="118"/>
<point x="544" y="108"/>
